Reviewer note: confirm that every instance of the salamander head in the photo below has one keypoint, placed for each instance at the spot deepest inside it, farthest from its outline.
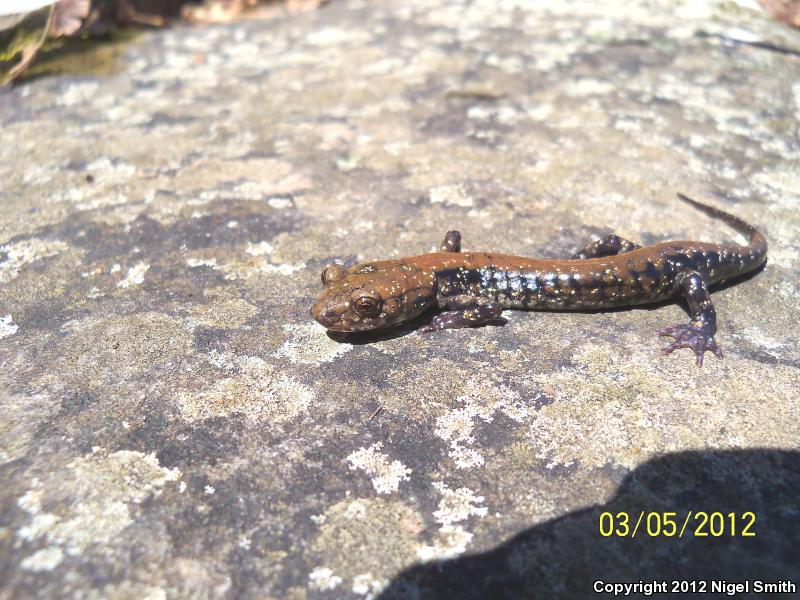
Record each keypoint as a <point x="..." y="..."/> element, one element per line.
<point x="372" y="296"/>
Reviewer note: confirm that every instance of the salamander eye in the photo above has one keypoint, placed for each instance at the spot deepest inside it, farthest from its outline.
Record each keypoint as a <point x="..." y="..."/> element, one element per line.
<point x="333" y="273"/>
<point x="366" y="304"/>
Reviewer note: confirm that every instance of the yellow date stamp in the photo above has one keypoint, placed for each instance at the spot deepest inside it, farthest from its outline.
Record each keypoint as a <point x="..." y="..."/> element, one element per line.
<point x="671" y="524"/>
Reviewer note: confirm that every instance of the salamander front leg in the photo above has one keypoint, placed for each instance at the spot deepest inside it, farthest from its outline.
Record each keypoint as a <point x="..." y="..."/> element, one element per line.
<point x="699" y="333"/>
<point x="469" y="312"/>
<point x="608" y="246"/>
<point x="452" y="242"/>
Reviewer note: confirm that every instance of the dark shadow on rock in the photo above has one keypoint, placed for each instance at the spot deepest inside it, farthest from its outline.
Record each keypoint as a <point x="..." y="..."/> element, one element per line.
<point x="377" y="335"/>
<point x="403" y="329"/>
<point x="563" y="557"/>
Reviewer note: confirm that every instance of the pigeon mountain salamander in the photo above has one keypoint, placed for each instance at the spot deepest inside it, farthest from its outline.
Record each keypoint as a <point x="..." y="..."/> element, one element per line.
<point x="473" y="288"/>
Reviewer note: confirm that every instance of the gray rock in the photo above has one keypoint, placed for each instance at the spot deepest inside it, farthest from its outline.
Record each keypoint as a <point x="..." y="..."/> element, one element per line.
<point x="176" y="426"/>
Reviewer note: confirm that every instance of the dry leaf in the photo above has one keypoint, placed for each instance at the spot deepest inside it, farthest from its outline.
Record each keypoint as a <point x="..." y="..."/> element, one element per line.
<point x="68" y="16"/>
<point x="217" y="11"/>
<point x="296" y="6"/>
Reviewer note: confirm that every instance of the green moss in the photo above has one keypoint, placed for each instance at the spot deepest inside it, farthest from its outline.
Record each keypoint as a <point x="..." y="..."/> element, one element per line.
<point x="737" y="10"/>
<point x="59" y="56"/>
<point x="80" y="56"/>
<point x="20" y="38"/>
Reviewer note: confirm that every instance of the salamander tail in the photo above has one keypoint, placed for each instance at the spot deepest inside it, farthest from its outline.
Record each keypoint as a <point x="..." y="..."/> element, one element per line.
<point x="756" y="240"/>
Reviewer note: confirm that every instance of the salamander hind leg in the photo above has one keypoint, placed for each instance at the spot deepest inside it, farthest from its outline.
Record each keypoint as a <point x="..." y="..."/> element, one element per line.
<point x="699" y="333"/>
<point x="608" y="246"/>
<point x="452" y="242"/>
<point x="468" y="311"/>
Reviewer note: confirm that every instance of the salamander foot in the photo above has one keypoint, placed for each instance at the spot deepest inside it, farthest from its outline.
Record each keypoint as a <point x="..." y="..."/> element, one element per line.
<point x="473" y="316"/>
<point x="611" y="245"/>
<point x="690" y="336"/>
<point x="452" y="242"/>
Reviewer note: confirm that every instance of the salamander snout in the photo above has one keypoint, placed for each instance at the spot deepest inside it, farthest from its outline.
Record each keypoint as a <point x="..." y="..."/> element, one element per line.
<point x="327" y="314"/>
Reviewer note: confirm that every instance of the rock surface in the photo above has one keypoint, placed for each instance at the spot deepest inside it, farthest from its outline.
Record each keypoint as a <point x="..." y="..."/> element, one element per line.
<point x="174" y="424"/>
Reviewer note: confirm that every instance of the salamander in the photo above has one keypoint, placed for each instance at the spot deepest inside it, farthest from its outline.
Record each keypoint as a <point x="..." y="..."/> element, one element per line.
<point x="473" y="288"/>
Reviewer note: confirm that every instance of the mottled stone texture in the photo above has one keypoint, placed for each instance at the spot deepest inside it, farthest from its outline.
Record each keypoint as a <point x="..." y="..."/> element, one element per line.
<point x="174" y="425"/>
